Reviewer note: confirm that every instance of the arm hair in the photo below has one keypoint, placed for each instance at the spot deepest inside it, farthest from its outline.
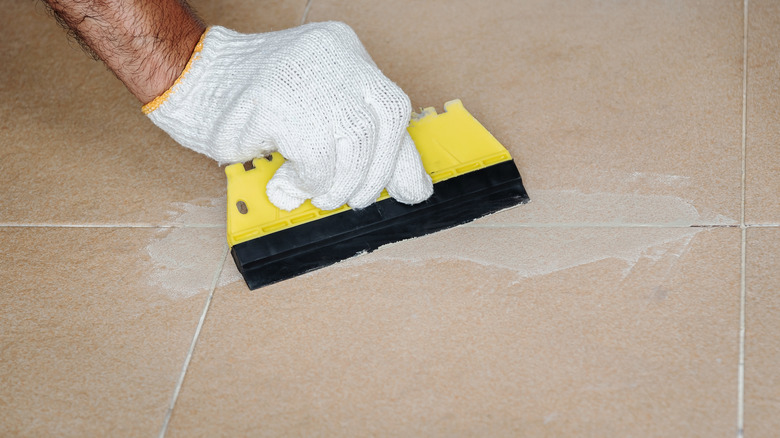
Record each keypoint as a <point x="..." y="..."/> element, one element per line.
<point x="146" y="43"/>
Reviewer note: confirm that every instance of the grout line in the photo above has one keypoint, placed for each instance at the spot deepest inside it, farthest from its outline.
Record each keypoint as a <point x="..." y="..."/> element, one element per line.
<point x="742" y="274"/>
<point x="45" y="225"/>
<point x="595" y="225"/>
<point x="195" y="337"/>
<point x="741" y="365"/>
<point x="744" y="114"/>
<point x="306" y="11"/>
<point x="471" y="225"/>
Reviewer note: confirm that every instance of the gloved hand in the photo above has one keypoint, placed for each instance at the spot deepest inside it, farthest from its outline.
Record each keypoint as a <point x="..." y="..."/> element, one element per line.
<point x="311" y="93"/>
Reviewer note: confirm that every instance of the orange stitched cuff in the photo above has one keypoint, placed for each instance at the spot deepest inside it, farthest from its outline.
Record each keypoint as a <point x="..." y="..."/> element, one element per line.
<point x="159" y="100"/>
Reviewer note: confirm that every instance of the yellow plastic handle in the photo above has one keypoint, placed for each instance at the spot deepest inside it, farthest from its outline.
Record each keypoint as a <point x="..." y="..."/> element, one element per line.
<point x="450" y="144"/>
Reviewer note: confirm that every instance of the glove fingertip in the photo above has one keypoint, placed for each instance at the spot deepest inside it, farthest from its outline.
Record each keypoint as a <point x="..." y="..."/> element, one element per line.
<point x="283" y="201"/>
<point x="410" y="189"/>
<point x="359" y="202"/>
<point x="410" y="183"/>
<point x="326" y="202"/>
<point x="283" y="194"/>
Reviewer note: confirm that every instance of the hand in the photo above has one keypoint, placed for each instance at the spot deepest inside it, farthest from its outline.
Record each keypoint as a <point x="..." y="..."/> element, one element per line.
<point x="311" y="93"/>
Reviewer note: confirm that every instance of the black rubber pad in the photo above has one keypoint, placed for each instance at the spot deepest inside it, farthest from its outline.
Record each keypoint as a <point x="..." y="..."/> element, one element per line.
<point x="313" y="245"/>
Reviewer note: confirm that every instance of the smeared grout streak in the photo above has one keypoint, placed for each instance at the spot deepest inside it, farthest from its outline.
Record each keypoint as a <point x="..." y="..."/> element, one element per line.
<point x="575" y="208"/>
<point x="619" y="181"/>
<point x="658" y="178"/>
<point x="200" y="211"/>
<point x="181" y="260"/>
<point x="532" y="254"/>
<point x="669" y="253"/>
<point x="574" y="229"/>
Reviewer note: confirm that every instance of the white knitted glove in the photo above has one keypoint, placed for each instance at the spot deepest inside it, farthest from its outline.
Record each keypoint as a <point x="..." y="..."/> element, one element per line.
<point x="311" y="93"/>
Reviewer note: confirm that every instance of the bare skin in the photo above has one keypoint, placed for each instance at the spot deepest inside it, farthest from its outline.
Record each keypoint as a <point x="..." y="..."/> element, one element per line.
<point x="146" y="43"/>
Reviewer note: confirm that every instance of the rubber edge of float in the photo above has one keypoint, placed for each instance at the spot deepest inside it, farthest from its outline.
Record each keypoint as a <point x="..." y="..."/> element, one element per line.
<point x="300" y="249"/>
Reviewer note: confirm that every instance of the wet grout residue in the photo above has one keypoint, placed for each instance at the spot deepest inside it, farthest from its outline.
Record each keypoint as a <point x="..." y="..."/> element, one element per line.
<point x="182" y="262"/>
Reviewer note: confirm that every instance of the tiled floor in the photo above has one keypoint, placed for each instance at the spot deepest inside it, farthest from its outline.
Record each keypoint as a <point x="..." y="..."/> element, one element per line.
<point x="622" y="301"/>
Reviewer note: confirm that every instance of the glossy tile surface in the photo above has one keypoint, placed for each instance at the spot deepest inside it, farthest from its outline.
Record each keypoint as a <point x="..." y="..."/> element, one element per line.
<point x="762" y="188"/>
<point x="93" y="332"/>
<point x="605" y="105"/>
<point x="762" y="376"/>
<point x="440" y="337"/>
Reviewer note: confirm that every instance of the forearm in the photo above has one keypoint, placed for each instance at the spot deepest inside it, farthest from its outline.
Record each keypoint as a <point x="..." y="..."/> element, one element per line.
<point x="146" y="43"/>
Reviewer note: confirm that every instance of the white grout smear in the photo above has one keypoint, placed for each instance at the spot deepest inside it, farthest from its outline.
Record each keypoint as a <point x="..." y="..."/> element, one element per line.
<point x="182" y="260"/>
<point x="199" y="212"/>
<point x="555" y="232"/>
<point x="534" y="252"/>
<point x="561" y="230"/>
<point x="575" y="208"/>
<point x="648" y="178"/>
<point x="628" y="182"/>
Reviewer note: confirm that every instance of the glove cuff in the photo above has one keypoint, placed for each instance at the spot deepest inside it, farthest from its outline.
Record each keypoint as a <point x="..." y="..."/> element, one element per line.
<point x="159" y="100"/>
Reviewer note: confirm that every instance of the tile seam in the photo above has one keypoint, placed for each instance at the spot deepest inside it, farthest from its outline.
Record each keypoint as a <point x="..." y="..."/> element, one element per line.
<point x="509" y="225"/>
<point x="306" y="11"/>
<point x="609" y="225"/>
<point x="743" y="233"/>
<point x="45" y="225"/>
<point x="605" y="225"/>
<point x="195" y="337"/>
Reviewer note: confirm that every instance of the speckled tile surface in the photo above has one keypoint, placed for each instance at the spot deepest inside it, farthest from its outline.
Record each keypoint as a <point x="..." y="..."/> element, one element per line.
<point x="763" y="115"/>
<point x="429" y="338"/>
<point x="605" y="106"/>
<point x="762" y="346"/>
<point x="95" y="325"/>
<point x="609" y="305"/>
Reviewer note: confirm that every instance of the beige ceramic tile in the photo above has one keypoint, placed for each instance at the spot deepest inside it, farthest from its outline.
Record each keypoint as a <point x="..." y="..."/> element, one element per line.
<point x="74" y="145"/>
<point x="251" y="17"/>
<point x="481" y="332"/>
<point x="606" y="106"/>
<point x="762" y="189"/>
<point x="762" y="346"/>
<point x="95" y="325"/>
